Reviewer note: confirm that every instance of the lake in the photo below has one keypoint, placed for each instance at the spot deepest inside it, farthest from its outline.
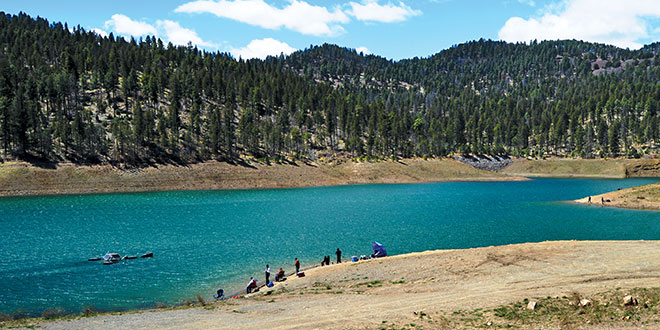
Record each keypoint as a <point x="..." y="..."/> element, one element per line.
<point x="205" y="240"/>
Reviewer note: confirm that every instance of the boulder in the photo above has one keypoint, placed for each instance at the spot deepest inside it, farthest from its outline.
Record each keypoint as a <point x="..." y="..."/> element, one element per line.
<point x="629" y="301"/>
<point x="531" y="305"/>
<point x="585" y="302"/>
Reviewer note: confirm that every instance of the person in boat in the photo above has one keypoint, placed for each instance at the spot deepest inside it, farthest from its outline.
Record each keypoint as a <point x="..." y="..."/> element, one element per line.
<point x="251" y="285"/>
<point x="338" y="253"/>
<point x="279" y="276"/>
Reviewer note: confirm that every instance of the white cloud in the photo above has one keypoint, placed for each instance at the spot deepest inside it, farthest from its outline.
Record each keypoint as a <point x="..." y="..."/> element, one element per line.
<point x="371" y="10"/>
<point x="363" y="49"/>
<point x="169" y="30"/>
<point x="100" y="32"/>
<point x="297" y="16"/>
<point x="617" y="22"/>
<point x="179" y="35"/>
<point x="262" y="48"/>
<point x="122" y="24"/>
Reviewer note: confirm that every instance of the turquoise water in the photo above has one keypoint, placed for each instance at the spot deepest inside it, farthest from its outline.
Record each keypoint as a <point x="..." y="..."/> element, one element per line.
<point x="204" y="240"/>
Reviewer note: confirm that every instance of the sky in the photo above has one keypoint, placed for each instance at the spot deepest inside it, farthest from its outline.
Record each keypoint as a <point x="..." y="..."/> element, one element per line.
<point x="395" y="29"/>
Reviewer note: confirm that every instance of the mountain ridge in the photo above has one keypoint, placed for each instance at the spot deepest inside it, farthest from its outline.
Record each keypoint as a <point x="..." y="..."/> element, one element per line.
<point x="72" y="95"/>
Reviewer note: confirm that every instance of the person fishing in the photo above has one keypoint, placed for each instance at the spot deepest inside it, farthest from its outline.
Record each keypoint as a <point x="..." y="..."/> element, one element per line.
<point x="279" y="276"/>
<point x="251" y="285"/>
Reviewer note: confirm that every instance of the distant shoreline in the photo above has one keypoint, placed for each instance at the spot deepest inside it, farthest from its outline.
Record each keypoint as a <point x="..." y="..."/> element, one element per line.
<point x="646" y="197"/>
<point x="23" y="179"/>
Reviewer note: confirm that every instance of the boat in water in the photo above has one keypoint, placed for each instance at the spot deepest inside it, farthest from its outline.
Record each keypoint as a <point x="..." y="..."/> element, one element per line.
<point x="147" y="255"/>
<point x="111" y="258"/>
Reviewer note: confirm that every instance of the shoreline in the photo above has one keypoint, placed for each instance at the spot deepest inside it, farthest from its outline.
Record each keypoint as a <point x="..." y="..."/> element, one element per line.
<point x="443" y="284"/>
<point x="646" y="197"/>
<point x="22" y="179"/>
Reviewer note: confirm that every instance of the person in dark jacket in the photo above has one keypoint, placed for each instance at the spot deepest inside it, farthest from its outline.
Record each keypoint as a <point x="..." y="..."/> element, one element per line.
<point x="338" y="253"/>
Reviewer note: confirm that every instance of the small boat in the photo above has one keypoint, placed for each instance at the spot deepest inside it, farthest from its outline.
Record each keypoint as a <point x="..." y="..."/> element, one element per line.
<point x="94" y="259"/>
<point x="147" y="255"/>
<point x="130" y="257"/>
<point x="111" y="258"/>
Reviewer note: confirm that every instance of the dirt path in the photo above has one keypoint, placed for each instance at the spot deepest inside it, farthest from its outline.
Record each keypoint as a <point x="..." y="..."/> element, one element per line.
<point x="397" y="290"/>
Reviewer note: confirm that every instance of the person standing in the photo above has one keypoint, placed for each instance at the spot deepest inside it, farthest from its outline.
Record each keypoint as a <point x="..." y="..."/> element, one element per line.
<point x="267" y="274"/>
<point x="297" y="266"/>
<point x="338" y="253"/>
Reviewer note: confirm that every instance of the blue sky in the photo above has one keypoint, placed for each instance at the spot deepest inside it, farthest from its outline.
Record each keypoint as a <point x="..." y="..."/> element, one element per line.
<point x="391" y="28"/>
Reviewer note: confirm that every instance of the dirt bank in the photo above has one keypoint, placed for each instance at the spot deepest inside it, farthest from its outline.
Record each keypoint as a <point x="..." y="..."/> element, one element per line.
<point x="584" y="168"/>
<point x="445" y="289"/>
<point x="645" y="197"/>
<point x="24" y="179"/>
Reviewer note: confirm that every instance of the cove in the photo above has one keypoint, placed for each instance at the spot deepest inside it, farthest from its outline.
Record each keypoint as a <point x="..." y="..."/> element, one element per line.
<point x="205" y="240"/>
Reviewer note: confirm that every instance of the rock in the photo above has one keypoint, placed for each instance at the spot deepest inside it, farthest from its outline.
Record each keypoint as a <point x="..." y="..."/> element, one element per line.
<point x="585" y="302"/>
<point x="629" y="301"/>
<point x="487" y="163"/>
<point x="647" y="304"/>
<point x="531" y="305"/>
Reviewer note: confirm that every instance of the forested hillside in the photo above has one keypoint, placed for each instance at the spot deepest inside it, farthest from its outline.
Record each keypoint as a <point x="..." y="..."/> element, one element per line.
<point x="67" y="94"/>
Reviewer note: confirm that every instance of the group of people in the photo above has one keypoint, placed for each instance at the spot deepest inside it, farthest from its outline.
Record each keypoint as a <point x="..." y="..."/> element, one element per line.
<point x="326" y="259"/>
<point x="280" y="276"/>
<point x="602" y="200"/>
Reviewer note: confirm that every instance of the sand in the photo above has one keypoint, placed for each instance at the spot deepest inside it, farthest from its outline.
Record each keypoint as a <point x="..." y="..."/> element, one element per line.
<point x="393" y="292"/>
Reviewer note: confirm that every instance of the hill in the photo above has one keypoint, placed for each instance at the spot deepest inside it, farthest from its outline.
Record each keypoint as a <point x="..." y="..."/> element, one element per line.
<point x="67" y="94"/>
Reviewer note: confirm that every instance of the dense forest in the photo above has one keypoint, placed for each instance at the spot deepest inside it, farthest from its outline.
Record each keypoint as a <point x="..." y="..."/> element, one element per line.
<point x="67" y="94"/>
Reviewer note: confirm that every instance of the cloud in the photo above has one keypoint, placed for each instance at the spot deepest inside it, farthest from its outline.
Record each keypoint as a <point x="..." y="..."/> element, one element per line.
<point x="297" y="16"/>
<point x="363" y="49"/>
<point x="617" y="22"/>
<point x="122" y="24"/>
<point x="262" y="48"/>
<point x="179" y="35"/>
<point x="170" y="31"/>
<point x="100" y="32"/>
<point x="371" y="10"/>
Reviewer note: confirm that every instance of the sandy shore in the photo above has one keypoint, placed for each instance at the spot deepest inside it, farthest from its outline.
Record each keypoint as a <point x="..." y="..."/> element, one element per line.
<point x="444" y="289"/>
<point x="17" y="179"/>
<point x="645" y="197"/>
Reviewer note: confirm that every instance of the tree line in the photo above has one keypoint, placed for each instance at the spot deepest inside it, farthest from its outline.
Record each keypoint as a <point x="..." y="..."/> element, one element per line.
<point x="67" y="94"/>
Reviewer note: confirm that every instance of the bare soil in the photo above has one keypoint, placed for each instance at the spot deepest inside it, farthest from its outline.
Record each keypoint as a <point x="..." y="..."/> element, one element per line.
<point x="19" y="178"/>
<point x="645" y="197"/>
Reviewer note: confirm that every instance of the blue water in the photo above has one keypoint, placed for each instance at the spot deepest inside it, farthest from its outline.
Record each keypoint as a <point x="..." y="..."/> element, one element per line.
<point x="204" y="240"/>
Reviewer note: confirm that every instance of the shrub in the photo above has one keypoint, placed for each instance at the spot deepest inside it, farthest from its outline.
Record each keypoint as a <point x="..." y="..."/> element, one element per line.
<point x="201" y="300"/>
<point x="90" y="310"/>
<point x="52" y="313"/>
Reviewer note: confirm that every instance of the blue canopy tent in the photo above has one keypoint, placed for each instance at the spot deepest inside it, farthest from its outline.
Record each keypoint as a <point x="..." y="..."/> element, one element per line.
<point x="379" y="250"/>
